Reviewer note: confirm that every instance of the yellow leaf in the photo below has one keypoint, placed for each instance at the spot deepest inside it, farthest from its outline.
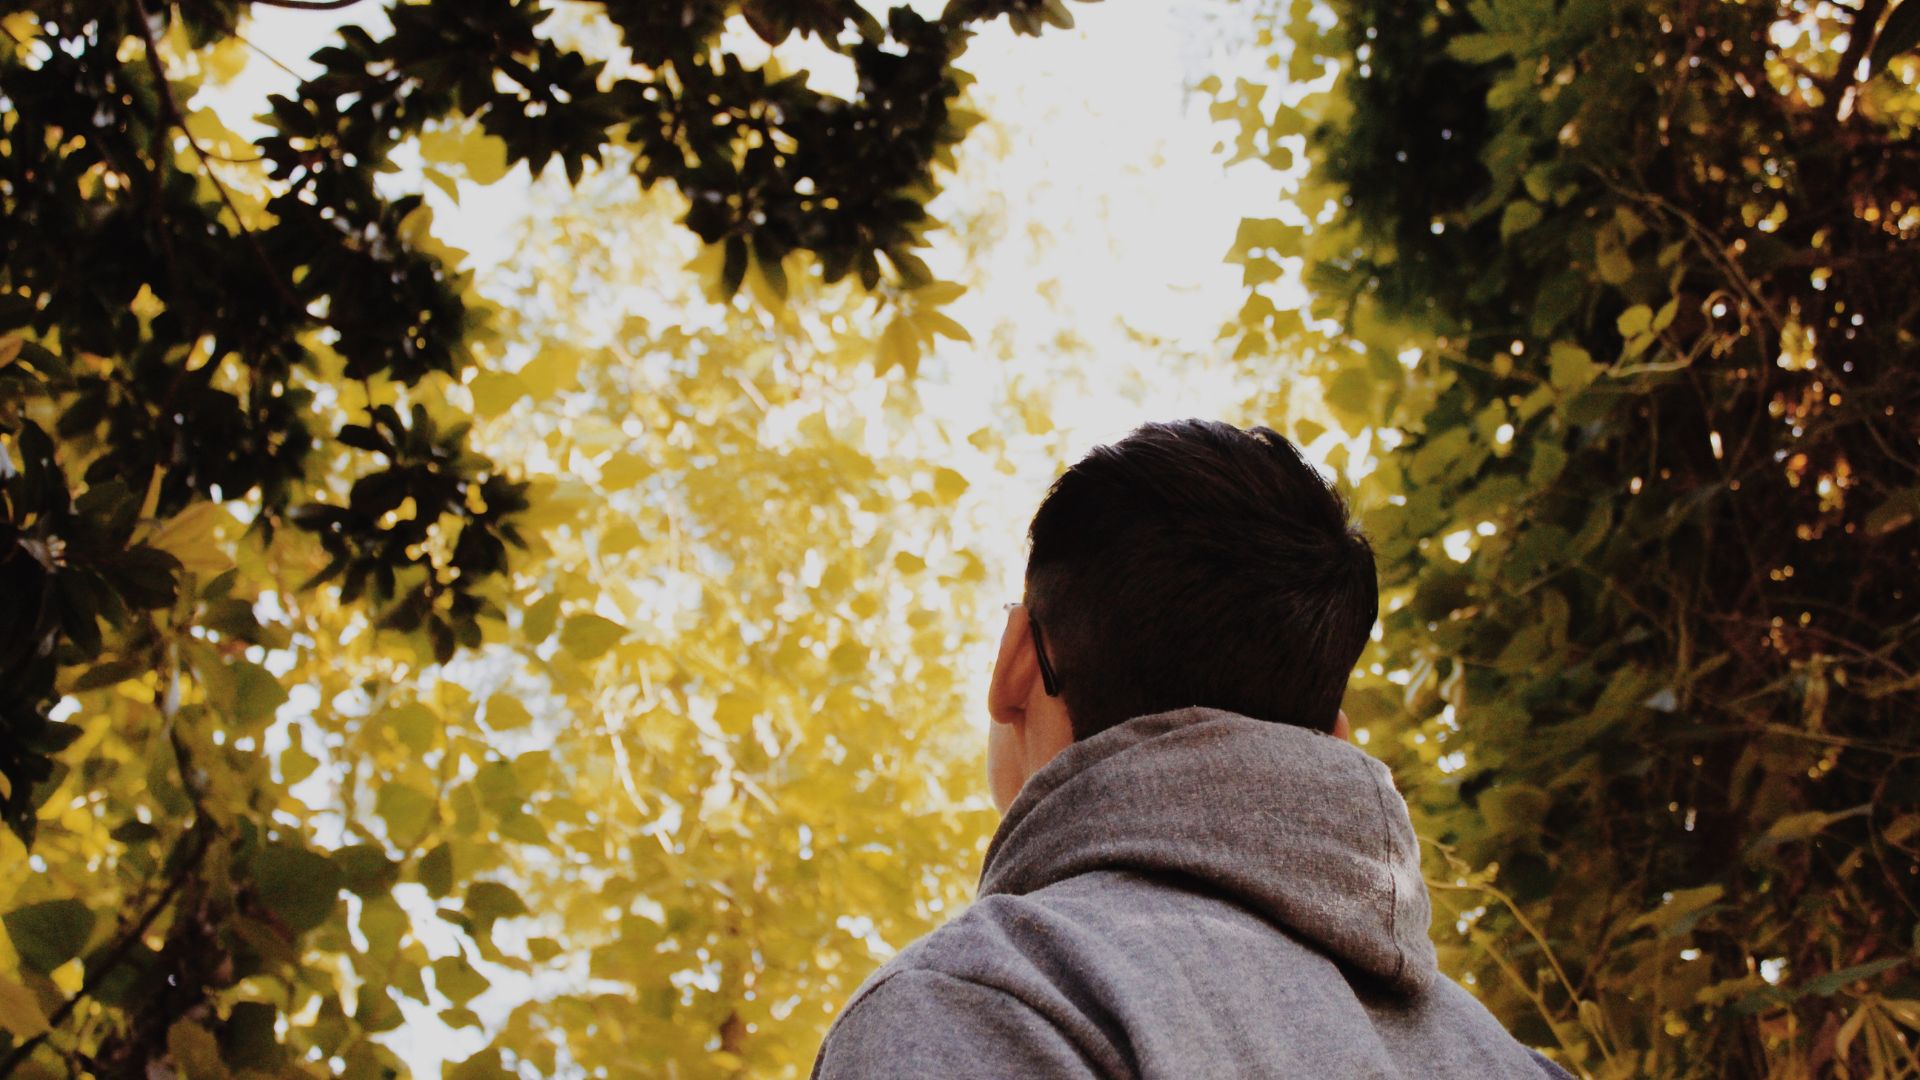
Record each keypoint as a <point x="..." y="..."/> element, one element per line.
<point x="624" y="470"/>
<point x="442" y="181"/>
<point x="19" y="1011"/>
<point x="621" y="537"/>
<point x="848" y="658"/>
<point x="899" y="348"/>
<point x="707" y="266"/>
<point x="21" y="27"/>
<point x="192" y="536"/>
<point x="557" y="368"/>
<point x="948" y="484"/>
<point x="938" y="292"/>
<point x="588" y="636"/>
<point x="484" y="156"/>
<point x="225" y="59"/>
<point x="505" y="713"/>
<point x="940" y="324"/>
<point x="494" y="392"/>
<point x="211" y="132"/>
<point x="1799" y="826"/>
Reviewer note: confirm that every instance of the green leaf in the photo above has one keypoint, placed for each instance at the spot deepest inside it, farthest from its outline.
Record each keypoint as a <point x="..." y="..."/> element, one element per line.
<point x="435" y="871"/>
<point x="458" y="980"/>
<point x="1680" y="904"/>
<point x="300" y="886"/>
<point x="1635" y="321"/>
<point x="1350" y="396"/>
<point x="1519" y="217"/>
<point x="1834" y="981"/>
<point x="366" y="870"/>
<point x="1897" y="511"/>
<point x="586" y="637"/>
<point x="1514" y="808"/>
<point x="49" y="933"/>
<point x="195" y="1052"/>
<point x="537" y="619"/>
<point x="1571" y="367"/>
<point x="248" y="1040"/>
<point x="1611" y="259"/>
<point x="376" y="1010"/>
<point x="413" y="726"/>
<point x="407" y="811"/>
<point x="492" y="900"/>
<point x="505" y="713"/>
<point x="257" y="695"/>
<point x="1664" y="317"/>
<point x="1483" y="48"/>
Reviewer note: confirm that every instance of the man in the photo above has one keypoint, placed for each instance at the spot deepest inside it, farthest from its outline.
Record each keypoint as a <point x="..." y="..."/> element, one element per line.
<point x="1197" y="875"/>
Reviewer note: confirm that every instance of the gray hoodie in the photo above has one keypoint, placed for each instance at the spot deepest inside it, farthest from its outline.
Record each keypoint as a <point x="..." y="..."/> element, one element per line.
<point x="1191" y="894"/>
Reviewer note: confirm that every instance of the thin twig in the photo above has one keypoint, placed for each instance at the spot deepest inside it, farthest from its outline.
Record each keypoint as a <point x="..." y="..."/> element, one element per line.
<point x="270" y="58"/>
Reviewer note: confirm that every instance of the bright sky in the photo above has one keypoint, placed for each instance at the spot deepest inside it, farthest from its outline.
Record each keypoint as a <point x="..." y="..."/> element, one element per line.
<point x="1114" y="202"/>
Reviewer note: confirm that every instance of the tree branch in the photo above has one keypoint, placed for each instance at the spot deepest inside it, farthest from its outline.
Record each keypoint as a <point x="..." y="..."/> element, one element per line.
<point x="171" y="118"/>
<point x="1859" y="38"/>
<point x="191" y="846"/>
<point x="307" y="5"/>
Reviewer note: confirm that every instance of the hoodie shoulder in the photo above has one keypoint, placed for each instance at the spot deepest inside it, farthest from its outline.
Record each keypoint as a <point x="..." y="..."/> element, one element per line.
<point x="916" y="1021"/>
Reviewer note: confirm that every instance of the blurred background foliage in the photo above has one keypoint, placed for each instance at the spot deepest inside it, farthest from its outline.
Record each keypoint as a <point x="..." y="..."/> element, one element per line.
<point x="371" y="639"/>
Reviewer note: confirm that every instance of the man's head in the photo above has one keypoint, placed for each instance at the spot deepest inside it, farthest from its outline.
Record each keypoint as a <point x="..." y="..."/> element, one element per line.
<point x="1189" y="563"/>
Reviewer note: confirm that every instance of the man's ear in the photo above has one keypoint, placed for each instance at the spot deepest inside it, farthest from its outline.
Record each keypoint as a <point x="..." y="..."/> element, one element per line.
<point x="1014" y="670"/>
<point x="1341" y="728"/>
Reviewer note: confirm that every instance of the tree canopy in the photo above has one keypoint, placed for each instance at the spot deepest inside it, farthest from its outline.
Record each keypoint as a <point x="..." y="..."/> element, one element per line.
<point x="373" y="641"/>
<point x="1627" y="295"/>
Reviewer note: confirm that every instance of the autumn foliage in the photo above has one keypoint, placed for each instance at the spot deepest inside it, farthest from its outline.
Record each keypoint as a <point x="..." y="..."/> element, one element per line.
<point x="370" y="641"/>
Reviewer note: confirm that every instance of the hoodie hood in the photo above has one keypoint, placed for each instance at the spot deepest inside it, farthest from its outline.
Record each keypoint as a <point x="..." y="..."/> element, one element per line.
<point x="1305" y="830"/>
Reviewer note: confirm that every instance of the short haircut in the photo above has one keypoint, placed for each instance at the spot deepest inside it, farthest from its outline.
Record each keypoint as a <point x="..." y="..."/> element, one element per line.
<point x="1196" y="563"/>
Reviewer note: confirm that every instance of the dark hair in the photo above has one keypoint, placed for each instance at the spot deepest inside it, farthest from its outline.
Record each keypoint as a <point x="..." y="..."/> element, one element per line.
<point x="1194" y="563"/>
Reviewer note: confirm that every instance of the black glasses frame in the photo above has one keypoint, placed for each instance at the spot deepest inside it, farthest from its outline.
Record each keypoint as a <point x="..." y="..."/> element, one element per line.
<point x="1047" y="678"/>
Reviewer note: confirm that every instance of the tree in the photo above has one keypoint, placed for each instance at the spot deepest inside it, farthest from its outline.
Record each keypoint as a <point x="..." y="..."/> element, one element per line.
<point x="1626" y="296"/>
<point x="282" y="754"/>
